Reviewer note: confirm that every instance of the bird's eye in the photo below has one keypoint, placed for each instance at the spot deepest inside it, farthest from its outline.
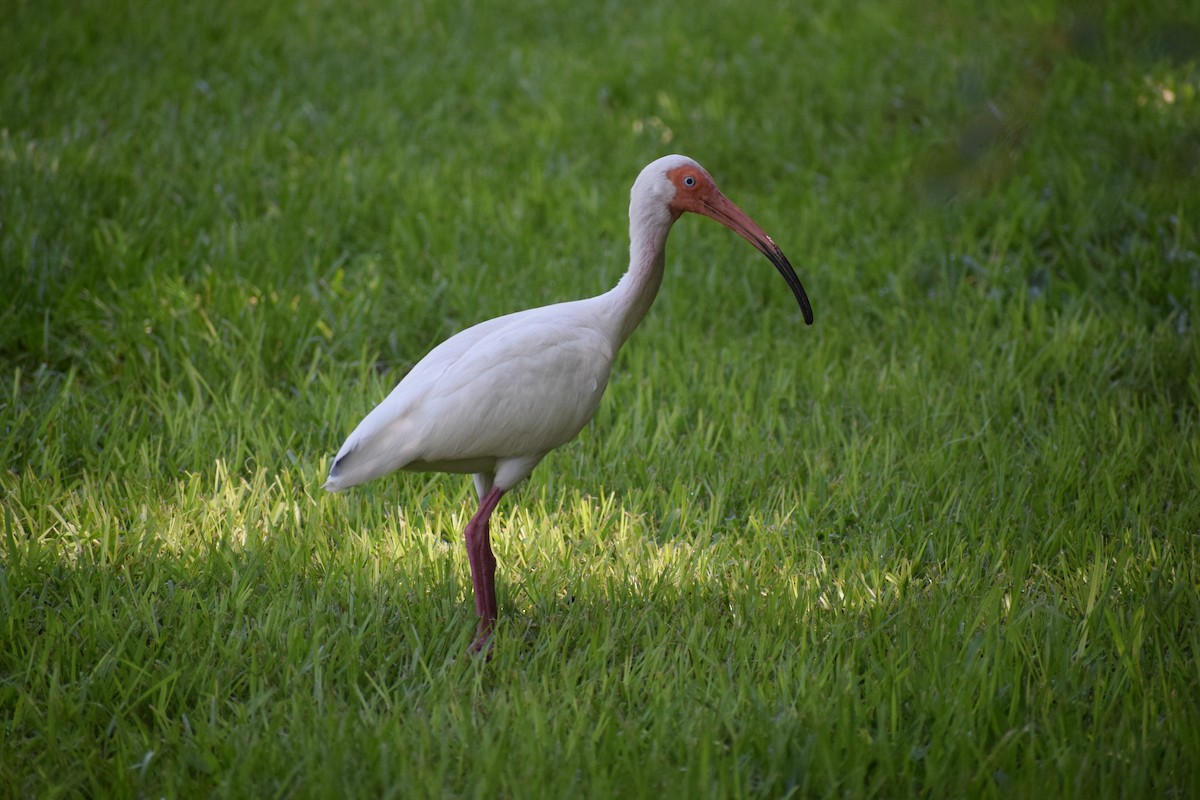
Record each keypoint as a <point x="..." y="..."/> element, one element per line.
<point x="690" y="180"/>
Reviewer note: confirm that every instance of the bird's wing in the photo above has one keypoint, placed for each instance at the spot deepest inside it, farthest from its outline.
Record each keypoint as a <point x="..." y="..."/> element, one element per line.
<point x="519" y="385"/>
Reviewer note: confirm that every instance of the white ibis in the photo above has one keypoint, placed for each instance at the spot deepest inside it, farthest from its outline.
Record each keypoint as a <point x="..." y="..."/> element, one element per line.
<point x="494" y="399"/>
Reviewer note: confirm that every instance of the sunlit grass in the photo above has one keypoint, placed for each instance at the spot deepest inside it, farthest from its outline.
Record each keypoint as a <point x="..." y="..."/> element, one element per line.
<point x="943" y="543"/>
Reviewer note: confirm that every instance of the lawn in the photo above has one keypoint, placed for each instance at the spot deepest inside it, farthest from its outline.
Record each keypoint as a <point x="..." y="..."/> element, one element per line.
<point x="943" y="543"/>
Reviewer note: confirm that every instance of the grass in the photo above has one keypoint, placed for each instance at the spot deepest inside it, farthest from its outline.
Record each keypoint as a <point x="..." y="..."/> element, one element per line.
<point x="943" y="543"/>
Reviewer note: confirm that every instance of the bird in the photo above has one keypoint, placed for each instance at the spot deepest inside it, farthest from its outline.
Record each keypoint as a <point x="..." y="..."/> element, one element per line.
<point x="495" y="398"/>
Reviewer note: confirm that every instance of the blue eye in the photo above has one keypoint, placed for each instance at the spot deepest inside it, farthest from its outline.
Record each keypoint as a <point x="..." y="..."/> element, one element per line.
<point x="689" y="181"/>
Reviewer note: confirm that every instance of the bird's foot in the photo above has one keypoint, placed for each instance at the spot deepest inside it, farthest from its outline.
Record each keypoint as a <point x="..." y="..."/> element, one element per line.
<point x="482" y="643"/>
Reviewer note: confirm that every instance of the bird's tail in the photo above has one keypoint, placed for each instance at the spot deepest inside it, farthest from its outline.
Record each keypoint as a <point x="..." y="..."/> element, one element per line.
<point x="358" y="463"/>
<point x="337" y="480"/>
<point x="375" y="448"/>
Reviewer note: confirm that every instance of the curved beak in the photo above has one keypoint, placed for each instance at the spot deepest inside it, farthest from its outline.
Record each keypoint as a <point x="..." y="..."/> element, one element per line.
<point x="717" y="206"/>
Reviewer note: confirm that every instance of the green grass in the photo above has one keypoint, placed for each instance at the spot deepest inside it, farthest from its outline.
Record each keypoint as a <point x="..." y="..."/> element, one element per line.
<point x="944" y="543"/>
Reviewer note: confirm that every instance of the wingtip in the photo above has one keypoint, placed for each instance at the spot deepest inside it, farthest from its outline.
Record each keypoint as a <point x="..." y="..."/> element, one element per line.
<point x="333" y="483"/>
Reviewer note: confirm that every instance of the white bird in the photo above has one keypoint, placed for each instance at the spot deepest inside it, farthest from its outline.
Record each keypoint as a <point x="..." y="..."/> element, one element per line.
<point x="494" y="399"/>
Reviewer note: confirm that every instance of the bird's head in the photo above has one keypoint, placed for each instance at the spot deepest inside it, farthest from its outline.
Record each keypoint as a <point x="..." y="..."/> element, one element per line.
<point x="677" y="184"/>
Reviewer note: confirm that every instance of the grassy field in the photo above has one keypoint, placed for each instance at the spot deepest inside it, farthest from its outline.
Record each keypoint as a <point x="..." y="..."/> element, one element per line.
<point x="944" y="543"/>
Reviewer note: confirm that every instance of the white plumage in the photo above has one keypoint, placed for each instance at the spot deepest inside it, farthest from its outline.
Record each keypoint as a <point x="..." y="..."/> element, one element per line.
<point x="494" y="399"/>
<point x="478" y="402"/>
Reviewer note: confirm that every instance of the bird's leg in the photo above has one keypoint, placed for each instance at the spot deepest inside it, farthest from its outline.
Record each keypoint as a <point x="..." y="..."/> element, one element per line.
<point x="483" y="568"/>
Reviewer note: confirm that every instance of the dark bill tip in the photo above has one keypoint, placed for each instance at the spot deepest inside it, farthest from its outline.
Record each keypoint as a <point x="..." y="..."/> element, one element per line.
<point x="776" y="257"/>
<point x="720" y="208"/>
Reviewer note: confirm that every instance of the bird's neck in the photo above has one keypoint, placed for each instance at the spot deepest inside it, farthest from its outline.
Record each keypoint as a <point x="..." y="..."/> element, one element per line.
<point x="633" y="295"/>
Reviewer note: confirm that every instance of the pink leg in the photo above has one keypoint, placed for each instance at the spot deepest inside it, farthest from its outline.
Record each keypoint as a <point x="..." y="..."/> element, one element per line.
<point x="483" y="569"/>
